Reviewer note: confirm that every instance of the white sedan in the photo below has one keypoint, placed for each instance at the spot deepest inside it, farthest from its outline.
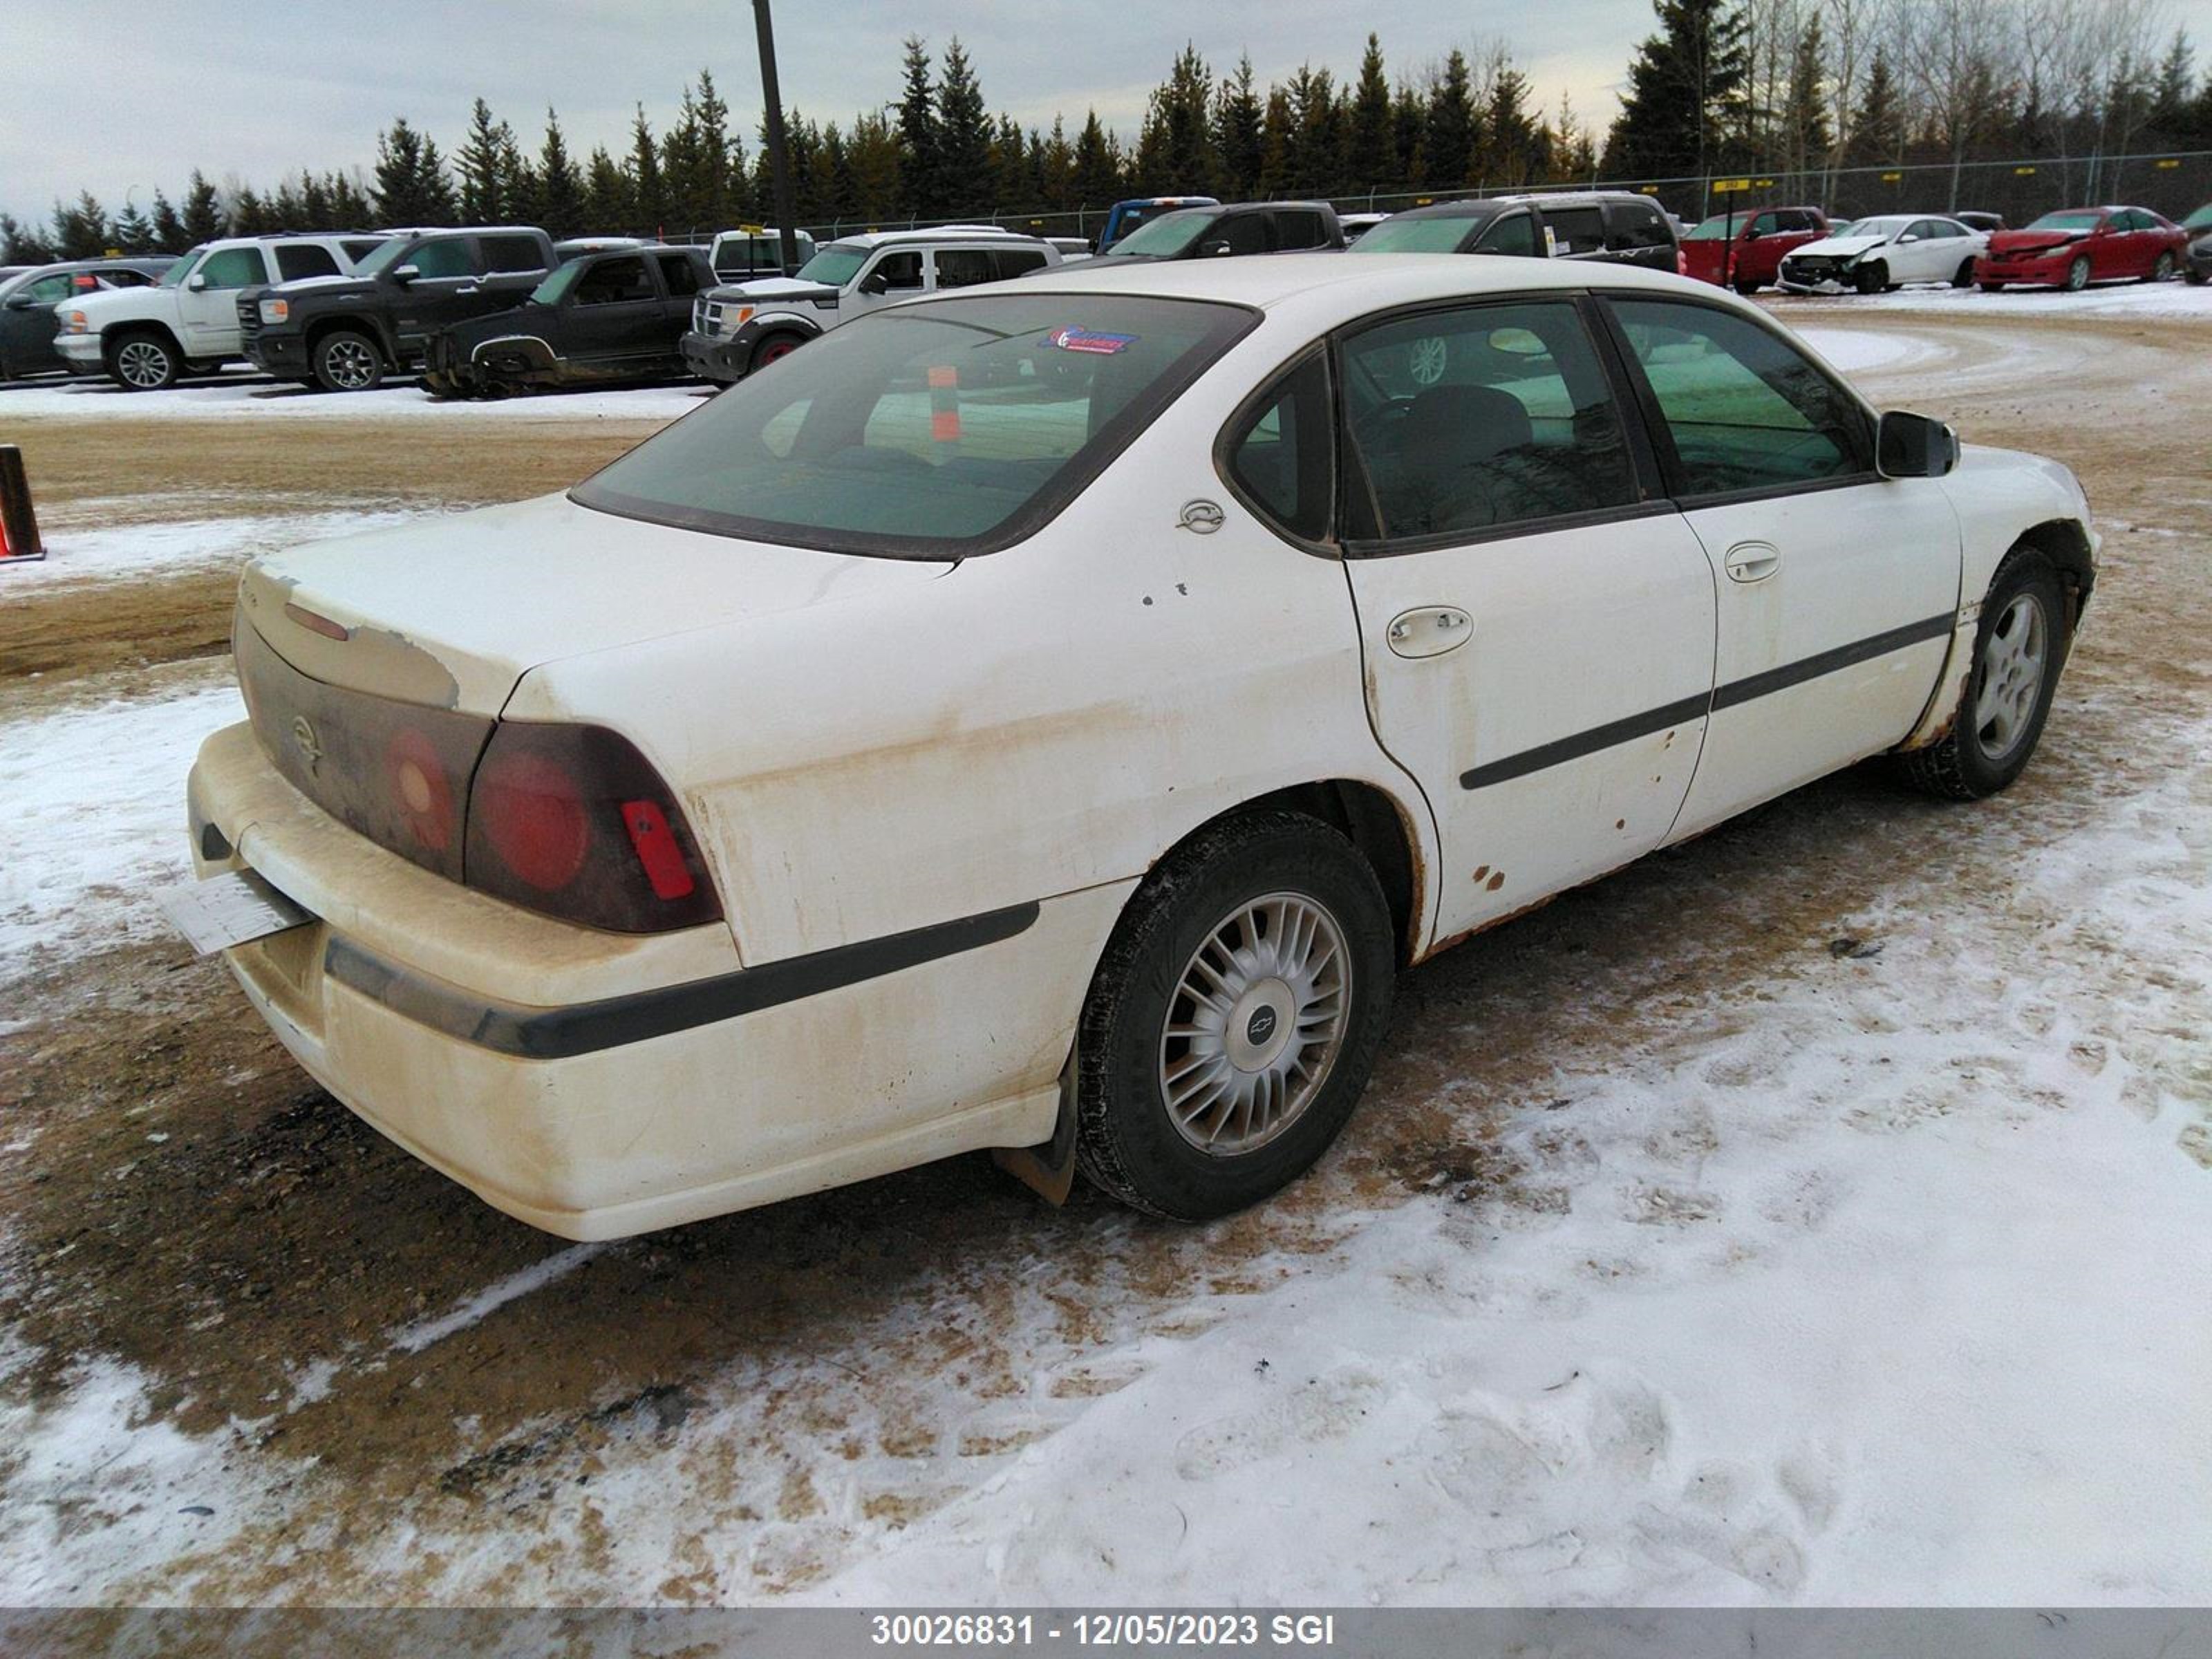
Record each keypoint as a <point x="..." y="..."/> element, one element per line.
<point x="1048" y="717"/>
<point x="1888" y="250"/>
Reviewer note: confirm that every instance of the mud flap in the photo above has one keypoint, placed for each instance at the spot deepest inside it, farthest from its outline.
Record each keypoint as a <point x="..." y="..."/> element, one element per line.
<point x="1048" y="1168"/>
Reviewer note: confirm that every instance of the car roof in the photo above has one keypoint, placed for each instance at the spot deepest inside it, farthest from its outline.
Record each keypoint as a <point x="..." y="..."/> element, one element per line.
<point x="940" y="234"/>
<point x="1374" y="282"/>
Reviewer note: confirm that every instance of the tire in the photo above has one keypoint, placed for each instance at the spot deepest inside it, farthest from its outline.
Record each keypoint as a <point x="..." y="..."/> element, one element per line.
<point x="346" y="360"/>
<point x="1992" y="287"/>
<point x="2077" y="274"/>
<point x="1964" y="275"/>
<point x="145" y="361"/>
<point x="1871" y="279"/>
<point x="1995" y="729"/>
<point x="774" y="348"/>
<point x="1223" y="893"/>
<point x="2163" y="270"/>
<point x="1748" y="288"/>
<point x="2195" y="278"/>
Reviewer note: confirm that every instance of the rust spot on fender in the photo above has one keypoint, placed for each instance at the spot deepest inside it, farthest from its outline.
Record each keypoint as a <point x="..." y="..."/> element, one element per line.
<point x="1621" y="824"/>
<point x="1442" y="946"/>
<point x="1494" y="883"/>
<point x="1481" y="871"/>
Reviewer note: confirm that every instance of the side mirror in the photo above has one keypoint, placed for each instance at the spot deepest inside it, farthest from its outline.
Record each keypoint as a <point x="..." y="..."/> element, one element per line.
<point x="1907" y="237"/>
<point x="875" y="282"/>
<point x="18" y="302"/>
<point x="197" y="283"/>
<point x="1214" y="250"/>
<point x="1913" y="446"/>
<point x="406" y="274"/>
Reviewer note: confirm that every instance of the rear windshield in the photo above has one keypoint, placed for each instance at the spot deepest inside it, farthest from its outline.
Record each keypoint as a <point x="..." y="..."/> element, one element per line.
<point x="931" y="431"/>
<point x="1439" y="235"/>
<point x="2073" y="220"/>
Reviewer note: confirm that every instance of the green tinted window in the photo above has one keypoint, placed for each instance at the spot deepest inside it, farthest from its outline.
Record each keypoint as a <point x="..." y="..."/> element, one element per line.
<point x="1442" y="234"/>
<point x="1747" y="409"/>
<point x="931" y="431"/>
<point x="1515" y="234"/>
<point x="233" y="267"/>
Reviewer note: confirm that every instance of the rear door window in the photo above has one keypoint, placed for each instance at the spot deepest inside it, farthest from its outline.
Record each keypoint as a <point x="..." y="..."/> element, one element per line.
<point x="1575" y="229"/>
<point x="679" y="273"/>
<point x="963" y="267"/>
<point x="300" y="259"/>
<point x="1470" y="420"/>
<point x="513" y="253"/>
<point x="615" y="281"/>
<point x="1013" y="261"/>
<point x="1631" y="225"/>
<point x="1515" y="234"/>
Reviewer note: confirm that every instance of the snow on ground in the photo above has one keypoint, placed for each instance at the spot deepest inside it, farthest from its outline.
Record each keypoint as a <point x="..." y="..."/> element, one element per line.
<point x="2121" y="299"/>
<point x="135" y="551"/>
<point x="237" y="396"/>
<point x="99" y="793"/>
<point x="1853" y="350"/>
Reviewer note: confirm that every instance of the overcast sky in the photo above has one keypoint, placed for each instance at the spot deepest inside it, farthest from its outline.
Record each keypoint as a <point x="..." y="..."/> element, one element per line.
<point x="122" y="97"/>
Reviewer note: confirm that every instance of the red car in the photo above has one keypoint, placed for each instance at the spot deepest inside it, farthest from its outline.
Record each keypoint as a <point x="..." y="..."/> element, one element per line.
<point x="1744" y="251"/>
<point x="2077" y="246"/>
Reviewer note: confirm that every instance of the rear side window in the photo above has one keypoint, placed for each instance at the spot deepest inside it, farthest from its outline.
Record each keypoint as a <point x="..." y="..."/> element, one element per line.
<point x="1637" y="224"/>
<point x="931" y="431"/>
<point x="1746" y="409"/>
<point x="447" y="257"/>
<point x="963" y="267"/>
<point x="615" y="281"/>
<point x="305" y="260"/>
<point x="233" y="267"/>
<point x="1281" y="455"/>
<point x="681" y="275"/>
<point x="1576" y="230"/>
<point x="513" y="253"/>
<point x="1470" y="420"/>
<point x="1013" y="261"/>
<point x="1294" y="231"/>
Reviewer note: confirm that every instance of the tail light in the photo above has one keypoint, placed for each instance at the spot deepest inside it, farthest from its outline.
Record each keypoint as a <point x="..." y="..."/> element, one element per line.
<point x="573" y="821"/>
<point x="1681" y="261"/>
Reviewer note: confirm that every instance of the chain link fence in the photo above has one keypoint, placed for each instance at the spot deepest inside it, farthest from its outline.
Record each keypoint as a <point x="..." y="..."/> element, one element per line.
<point x="2173" y="183"/>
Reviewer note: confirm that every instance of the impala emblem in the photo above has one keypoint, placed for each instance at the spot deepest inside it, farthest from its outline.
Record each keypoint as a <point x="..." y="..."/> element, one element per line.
<point x="303" y="734"/>
<point x="1200" y="518"/>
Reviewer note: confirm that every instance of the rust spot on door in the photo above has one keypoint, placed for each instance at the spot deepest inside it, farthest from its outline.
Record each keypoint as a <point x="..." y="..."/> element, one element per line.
<point x="1494" y="883"/>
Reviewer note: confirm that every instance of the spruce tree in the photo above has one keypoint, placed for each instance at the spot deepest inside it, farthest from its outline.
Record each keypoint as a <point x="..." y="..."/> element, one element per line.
<point x="560" y="185"/>
<point x="1236" y="114"/>
<point x="1878" y="128"/>
<point x="411" y="186"/>
<point x="81" y="230"/>
<point x="648" y="196"/>
<point x="134" y="232"/>
<point x="919" y="171"/>
<point x="1684" y="87"/>
<point x="1096" y="180"/>
<point x="963" y="137"/>
<point x="1372" y="149"/>
<point x="1451" y="129"/>
<point x="483" y="165"/>
<point x="169" y="235"/>
<point x="608" y="203"/>
<point x="203" y="218"/>
<point x="1176" y="155"/>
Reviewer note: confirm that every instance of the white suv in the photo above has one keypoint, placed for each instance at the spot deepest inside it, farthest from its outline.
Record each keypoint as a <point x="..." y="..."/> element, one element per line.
<point x="743" y="326"/>
<point x="144" y="337"/>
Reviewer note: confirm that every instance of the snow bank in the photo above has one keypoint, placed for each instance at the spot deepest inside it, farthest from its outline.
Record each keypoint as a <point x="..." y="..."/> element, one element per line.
<point x="96" y="810"/>
<point x="2175" y="299"/>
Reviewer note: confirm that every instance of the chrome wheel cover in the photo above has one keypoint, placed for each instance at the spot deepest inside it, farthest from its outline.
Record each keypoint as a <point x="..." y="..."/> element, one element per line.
<point x="142" y="363"/>
<point x="1255" y="1024"/>
<point x="349" y="364"/>
<point x="2015" y="657"/>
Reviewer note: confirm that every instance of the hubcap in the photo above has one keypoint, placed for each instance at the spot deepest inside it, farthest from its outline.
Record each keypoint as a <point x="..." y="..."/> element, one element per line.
<point x="2011" y="668"/>
<point x="142" y="363"/>
<point x="1254" y="1024"/>
<point x="349" y="364"/>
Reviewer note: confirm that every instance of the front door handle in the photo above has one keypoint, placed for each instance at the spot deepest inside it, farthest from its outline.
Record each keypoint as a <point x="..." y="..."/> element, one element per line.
<point x="1752" y="562"/>
<point x="1430" y="631"/>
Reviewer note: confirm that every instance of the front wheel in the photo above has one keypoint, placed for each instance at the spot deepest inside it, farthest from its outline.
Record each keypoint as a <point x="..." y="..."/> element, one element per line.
<point x="346" y="360"/>
<point x="2163" y="270"/>
<point x="775" y="349"/>
<point x="1871" y="279"/>
<point x="1992" y="287"/>
<point x="144" y="362"/>
<point x="2077" y="275"/>
<point x="1232" y="1023"/>
<point x="2017" y="653"/>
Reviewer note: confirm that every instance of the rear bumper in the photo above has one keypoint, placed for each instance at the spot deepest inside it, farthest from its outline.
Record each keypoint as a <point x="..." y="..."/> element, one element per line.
<point x="597" y="1085"/>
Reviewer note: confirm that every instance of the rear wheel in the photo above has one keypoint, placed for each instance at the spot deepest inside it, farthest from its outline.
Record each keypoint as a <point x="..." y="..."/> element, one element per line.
<point x="1747" y="289"/>
<point x="2163" y="270"/>
<point x="1964" y="275"/>
<point x="2017" y="653"/>
<point x="346" y="360"/>
<point x="2077" y="275"/>
<point x="1234" y="1019"/>
<point x="143" y="362"/>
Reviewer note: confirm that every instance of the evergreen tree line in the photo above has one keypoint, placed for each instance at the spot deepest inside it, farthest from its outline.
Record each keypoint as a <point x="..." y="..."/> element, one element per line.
<point x="1796" y="86"/>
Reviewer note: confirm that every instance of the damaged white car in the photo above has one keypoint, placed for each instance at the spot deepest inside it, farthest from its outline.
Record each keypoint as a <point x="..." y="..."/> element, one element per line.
<point x="1048" y="717"/>
<point x="1889" y="250"/>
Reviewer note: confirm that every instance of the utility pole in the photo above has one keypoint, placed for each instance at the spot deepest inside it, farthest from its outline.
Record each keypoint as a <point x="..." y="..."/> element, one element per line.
<point x="779" y="155"/>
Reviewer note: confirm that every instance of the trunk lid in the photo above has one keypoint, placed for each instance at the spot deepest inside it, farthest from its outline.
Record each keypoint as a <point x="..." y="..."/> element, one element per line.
<point x="450" y="613"/>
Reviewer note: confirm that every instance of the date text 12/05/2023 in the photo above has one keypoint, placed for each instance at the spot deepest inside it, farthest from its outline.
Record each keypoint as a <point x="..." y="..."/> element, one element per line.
<point x="1100" y="1630"/>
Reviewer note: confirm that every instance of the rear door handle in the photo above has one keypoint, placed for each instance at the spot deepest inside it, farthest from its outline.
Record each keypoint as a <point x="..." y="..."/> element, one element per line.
<point x="1430" y="631"/>
<point x="1752" y="562"/>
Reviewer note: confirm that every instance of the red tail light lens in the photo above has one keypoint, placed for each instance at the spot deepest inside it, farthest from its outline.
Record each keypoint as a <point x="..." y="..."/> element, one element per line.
<point x="1681" y="262"/>
<point x="573" y="821"/>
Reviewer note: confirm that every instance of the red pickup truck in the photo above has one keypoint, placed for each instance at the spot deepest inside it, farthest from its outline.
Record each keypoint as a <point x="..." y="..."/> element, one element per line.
<point x="1744" y="251"/>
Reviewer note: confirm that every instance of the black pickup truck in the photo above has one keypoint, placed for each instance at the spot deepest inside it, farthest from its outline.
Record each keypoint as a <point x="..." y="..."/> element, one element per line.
<point x="602" y="318"/>
<point x="346" y="333"/>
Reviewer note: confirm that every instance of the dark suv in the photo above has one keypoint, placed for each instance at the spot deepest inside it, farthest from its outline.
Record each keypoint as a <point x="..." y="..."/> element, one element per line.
<point x="1214" y="231"/>
<point x="1616" y="225"/>
<point x="600" y="318"/>
<point x="346" y="334"/>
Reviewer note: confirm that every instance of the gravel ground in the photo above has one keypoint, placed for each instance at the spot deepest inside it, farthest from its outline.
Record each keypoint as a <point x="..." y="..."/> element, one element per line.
<point x="1812" y="1213"/>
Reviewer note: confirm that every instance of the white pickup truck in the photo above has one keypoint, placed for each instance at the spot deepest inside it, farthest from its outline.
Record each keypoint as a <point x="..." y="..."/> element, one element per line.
<point x="144" y="337"/>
